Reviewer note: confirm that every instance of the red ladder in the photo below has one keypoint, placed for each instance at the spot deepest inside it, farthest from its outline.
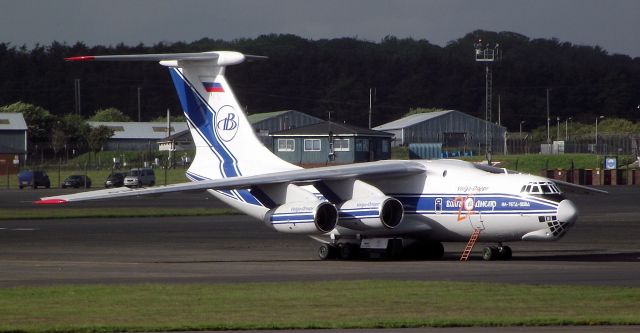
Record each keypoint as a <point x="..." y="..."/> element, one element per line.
<point x="470" y="244"/>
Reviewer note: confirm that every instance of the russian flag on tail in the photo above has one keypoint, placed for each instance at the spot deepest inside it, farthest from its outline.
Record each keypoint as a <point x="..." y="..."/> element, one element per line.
<point x="213" y="87"/>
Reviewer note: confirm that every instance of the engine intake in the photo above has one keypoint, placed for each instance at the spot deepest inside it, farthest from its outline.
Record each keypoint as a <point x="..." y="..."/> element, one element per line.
<point x="371" y="213"/>
<point x="303" y="218"/>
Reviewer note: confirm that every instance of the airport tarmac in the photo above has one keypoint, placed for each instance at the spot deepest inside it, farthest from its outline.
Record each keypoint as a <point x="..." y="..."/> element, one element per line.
<point x="602" y="249"/>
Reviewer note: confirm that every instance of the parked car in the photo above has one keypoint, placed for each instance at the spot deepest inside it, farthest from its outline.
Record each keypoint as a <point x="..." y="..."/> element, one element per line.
<point x="139" y="177"/>
<point x="33" y="178"/>
<point x="77" y="181"/>
<point x="115" y="179"/>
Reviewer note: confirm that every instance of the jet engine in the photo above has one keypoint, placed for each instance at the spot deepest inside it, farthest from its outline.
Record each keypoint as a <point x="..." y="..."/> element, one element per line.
<point x="309" y="218"/>
<point x="370" y="213"/>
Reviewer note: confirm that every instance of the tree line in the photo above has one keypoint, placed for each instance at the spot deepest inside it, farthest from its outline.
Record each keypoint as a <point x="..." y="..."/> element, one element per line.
<point x="335" y="75"/>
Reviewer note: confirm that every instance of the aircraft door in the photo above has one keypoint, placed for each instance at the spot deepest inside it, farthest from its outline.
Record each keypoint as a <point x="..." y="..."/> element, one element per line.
<point x="438" y="205"/>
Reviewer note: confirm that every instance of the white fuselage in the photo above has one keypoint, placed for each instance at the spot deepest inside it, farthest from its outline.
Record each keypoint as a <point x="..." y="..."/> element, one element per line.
<point x="451" y="200"/>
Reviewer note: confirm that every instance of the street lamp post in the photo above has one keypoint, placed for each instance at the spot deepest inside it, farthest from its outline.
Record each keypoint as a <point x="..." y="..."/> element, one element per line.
<point x="520" y="137"/>
<point x="558" y="128"/>
<point x="566" y="128"/>
<point x="599" y="117"/>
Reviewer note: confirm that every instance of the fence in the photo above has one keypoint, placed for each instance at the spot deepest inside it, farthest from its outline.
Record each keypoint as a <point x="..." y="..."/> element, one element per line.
<point x="626" y="144"/>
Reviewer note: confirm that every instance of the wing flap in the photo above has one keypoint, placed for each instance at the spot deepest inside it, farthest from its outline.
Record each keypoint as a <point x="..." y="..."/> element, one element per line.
<point x="302" y="176"/>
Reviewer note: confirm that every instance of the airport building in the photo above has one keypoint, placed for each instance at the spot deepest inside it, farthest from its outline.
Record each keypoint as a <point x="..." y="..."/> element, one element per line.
<point x="331" y="143"/>
<point x="13" y="139"/>
<point x="458" y="132"/>
<point x="138" y="135"/>
<point x="270" y="122"/>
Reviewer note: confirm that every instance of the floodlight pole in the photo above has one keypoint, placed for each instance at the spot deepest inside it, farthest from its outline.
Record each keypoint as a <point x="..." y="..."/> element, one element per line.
<point x="548" y="119"/>
<point x="566" y="128"/>
<point x="599" y="117"/>
<point x="487" y="55"/>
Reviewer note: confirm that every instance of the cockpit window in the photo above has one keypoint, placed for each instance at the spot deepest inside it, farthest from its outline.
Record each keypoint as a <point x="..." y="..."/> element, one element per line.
<point x="540" y="188"/>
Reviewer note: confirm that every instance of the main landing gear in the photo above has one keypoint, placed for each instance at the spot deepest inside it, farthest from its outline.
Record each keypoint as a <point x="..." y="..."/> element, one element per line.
<point x="394" y="248"/>
<point x="499" y="252"/>
<point x="344" y="251"/>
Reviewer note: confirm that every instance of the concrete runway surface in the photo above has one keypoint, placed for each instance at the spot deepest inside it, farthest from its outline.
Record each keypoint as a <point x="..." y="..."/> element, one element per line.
<point x="602" y="249"/>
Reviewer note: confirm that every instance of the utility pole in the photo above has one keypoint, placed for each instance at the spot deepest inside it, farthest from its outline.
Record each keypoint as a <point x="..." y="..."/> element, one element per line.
<point x="370" y="108"/>
<point x="499" y="110"/>
<point x="78" y="101"/>
<point x="548" y="119"/>
<point x="139" y="105"/>
<point x="487" y="55"/>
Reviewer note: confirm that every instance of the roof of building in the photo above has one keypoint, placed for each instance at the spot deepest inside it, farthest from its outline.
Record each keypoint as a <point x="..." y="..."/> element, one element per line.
<point x="12" y="121"/>
<point x="258" y="117"/>
<point x="412" y="120"/>
<point x="338" y="129"/>
<point x="179" y="136"/>
<point x="140" y="130"/>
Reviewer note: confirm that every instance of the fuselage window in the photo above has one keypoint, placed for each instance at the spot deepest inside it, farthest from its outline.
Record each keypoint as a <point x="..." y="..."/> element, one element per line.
<point x="546" y="189"/>
<point x="535" y="189"/>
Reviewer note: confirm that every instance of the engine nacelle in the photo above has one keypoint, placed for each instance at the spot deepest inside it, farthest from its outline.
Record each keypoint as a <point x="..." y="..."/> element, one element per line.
<point x="371" y="213"/>
<point x="307" y="218"/>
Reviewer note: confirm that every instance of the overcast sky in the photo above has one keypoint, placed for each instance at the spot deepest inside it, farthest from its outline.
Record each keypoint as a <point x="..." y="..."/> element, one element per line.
<point x="612" y="24"/>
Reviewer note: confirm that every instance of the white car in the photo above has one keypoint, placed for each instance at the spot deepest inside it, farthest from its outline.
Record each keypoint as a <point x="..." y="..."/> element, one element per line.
<point x="139" y="177"/>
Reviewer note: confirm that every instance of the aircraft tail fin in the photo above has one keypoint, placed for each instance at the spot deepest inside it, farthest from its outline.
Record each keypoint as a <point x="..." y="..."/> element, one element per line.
<point x="226" y="145"/>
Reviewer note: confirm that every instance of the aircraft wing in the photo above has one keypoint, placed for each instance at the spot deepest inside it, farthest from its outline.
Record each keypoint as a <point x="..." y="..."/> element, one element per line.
<point x="302" y="176"/>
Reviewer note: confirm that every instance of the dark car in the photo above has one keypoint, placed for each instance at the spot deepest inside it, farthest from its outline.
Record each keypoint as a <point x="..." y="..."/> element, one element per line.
<point x="115" y="179"/>
<point x="77" y="181"/>
<point x="33" y="178"/>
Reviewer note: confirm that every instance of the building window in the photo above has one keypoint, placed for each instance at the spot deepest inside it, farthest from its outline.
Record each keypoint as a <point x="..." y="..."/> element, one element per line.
<point x="311" y="144"/>
<point x="286" y="145"/>
<point x="362" y="144"/>
<point x="340" y="144"/>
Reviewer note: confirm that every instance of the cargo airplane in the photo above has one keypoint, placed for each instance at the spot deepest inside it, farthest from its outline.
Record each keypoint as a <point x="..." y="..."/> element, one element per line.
<point x="391" y="207"/>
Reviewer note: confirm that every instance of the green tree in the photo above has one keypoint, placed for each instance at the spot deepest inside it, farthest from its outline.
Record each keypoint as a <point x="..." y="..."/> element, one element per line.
<point x="413" y="111"/>
<point x="58" y="140"/>
<point x="69" y="132"/>
<point x="97" y="137"/>
<point x="109" y="114"/>
<point x="161" y="119"/>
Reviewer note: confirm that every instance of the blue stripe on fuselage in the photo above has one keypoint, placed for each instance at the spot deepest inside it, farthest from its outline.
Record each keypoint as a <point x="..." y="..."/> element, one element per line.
<point x="483" y="203"/>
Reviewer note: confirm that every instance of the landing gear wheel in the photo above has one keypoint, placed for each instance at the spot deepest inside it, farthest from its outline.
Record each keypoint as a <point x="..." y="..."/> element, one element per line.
<point x="395" y="248"/>
<point x="326" y="251"/>
<point x="436" y="250"/>
<point x="490" y="253"/>
<point x="504" y="253"/>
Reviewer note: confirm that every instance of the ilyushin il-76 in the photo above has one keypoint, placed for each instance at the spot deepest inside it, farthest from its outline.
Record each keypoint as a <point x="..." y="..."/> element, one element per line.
<point x="390" y="207"/>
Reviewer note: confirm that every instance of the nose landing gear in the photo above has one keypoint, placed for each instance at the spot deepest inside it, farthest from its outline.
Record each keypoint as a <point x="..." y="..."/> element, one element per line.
<point x="499" y="252"/>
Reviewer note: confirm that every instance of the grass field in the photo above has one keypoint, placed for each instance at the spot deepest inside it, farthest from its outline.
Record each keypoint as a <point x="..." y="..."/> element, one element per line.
<point x="339" y="304"/>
